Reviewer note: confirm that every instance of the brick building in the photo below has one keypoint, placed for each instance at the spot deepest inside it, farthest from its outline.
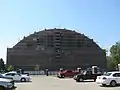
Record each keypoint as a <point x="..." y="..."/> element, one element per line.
<point x="54" y="49"/>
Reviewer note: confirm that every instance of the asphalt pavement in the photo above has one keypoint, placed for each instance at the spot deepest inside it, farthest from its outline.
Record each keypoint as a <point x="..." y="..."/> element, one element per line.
<point x="54" y="83"/>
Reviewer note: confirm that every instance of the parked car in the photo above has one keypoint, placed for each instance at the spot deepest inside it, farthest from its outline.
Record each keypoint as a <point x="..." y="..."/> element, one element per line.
<point x="67" y="73"/>
<point x="17" y="77"/>
<point x="18" y="72"/>
<point x="7" y="84"/>
<point x="1" y="76"/>
<point x="109" y="78"/>
<point x="86" y="75"/>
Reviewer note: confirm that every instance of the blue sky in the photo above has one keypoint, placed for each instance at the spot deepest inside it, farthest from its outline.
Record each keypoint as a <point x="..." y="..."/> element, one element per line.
<point x="98" y="19"/>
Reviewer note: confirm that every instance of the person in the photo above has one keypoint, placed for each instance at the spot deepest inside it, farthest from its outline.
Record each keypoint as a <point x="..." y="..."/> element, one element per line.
<point x="46" y="72"/>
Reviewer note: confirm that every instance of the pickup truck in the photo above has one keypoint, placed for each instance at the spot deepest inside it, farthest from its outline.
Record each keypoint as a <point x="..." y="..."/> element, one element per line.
<point x="67" y="73"/>
<point x="86" y="75"/>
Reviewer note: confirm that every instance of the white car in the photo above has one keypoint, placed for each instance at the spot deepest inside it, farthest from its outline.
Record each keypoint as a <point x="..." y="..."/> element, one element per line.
<point x="17" y="77"/>
<point x="7" y="84"/>
<point x="109" y="78"/>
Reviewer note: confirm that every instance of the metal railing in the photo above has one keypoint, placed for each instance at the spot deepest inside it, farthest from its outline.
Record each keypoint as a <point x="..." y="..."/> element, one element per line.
<point x="41" y="72"/>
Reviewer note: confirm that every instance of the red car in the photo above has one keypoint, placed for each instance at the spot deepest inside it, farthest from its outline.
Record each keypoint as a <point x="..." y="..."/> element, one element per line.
<point x="67" y="73"/>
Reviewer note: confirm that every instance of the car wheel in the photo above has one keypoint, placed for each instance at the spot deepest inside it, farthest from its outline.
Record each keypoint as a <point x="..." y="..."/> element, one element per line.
<point x="113" y="83"/>
<point x="23" y="80"/>
<point x="62" y="76"/>
<point x="79" y="80"/>
<point x="2" y="88"/>
<point x="94" y="79"/>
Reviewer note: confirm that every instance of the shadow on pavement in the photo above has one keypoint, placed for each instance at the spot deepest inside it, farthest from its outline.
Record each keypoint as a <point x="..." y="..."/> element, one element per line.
<point x="85" y="81"/>
<point x="23" y="82"/>
<point x="88" y="81"/>
<point x="111" y="86"/>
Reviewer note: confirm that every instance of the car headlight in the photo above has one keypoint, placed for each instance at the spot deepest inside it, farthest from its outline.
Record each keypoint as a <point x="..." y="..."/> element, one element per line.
<point x="10" y="85"/>
<point x="28" y="78"/>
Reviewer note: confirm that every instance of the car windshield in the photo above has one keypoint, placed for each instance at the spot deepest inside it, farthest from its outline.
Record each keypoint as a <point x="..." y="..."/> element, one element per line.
<point x="107" y="74"/>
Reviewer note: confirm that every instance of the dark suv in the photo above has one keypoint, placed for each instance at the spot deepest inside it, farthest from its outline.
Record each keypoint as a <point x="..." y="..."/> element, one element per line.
<point x="86" y="75"/>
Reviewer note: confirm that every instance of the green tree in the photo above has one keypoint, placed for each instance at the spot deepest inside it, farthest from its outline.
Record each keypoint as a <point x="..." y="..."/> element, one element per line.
<point x="10" y="68"/>
<point x="37" y="68"/>
<point x="106" y="51"/>
<point x="114" y="58"/>
<point x="2" y="65"/>
<point x="110" y="63"/>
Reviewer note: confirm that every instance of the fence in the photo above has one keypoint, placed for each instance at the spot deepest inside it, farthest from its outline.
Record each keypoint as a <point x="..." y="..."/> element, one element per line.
<point x="41" y="72"/>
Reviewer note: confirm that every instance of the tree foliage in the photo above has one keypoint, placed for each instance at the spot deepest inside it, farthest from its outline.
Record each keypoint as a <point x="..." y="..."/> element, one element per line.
<point x="114" y="58"/>
<point x="106" y="51"/>
<point x="37" y="68"/>
<point x="110" y="63"/>
<point x="2" y="65"/>
<point x="10" y="68"/>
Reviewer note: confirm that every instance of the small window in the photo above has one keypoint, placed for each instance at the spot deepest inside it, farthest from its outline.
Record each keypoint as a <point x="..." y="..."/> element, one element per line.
<point x="13" y="74"/>
<point x="34" y="39"/>
<point x="107" y="74"/>
<point x="29" y="44"/>
<point x="116" y="75"/>
<point x="38" y="47"/>
<point x="8" y="74"/>
<point x="69" y="71"/>
<point x="89" y="72"/>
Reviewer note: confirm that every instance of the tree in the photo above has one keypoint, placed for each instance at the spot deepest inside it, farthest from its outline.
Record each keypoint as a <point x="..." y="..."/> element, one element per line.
<point x="114" y="58"/>
<point x="115" y="52"/>
<point x="2" y="65"/>
<point x="10" y="68"/>
<point x="106" y="51"/>
<point x="37" y="68"/>
<point x="110" y="63"/>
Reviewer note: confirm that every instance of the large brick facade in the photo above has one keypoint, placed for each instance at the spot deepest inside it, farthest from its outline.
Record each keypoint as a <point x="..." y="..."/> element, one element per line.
<point x="54" y="49"/>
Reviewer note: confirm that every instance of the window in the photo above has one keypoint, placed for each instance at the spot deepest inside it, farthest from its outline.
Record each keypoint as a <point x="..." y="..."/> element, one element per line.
<point x="116" y="75"/>
<point x="8" y="74"/>
<point x="11" y="74"/>
<point x="34" y="39"/>
<point x="69" y="71"/>
<point x="38" y="47"/>
<point x="89" y="72"/>
<point x="107" y="74"/>
<point x="49" y="41"/>
<point x="29" y="44"/>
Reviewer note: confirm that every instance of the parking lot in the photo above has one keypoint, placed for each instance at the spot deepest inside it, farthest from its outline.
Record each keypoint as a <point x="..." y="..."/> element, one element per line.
<point x="54" y="83"/>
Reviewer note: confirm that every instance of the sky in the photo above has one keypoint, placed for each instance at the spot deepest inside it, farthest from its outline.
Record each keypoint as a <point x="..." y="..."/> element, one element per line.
<point x="97" y="19"/>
